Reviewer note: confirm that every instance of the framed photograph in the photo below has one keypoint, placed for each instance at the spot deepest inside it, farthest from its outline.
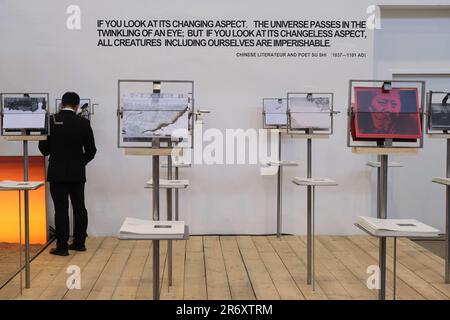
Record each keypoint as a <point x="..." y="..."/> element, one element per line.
<point x="310" y="113"/>
<point x="439" y="117"/>
<point x="438" y="112"/>
<point x="275" y="112"/>
<point x="24" y="112"/>
<point x="84" y="111"/>
<point x="386" y="114"/>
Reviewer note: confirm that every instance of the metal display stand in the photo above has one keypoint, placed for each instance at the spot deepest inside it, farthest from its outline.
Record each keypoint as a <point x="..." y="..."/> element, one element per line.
<point x="280" y="163"/>
<point x="176" y="166"/>
<point x="394" y="269"/>
<point x="25" y="140"/>
<point x="24" y="136"/>
<point x="382" y="148"/>
<point x="169" y="185"/>
<point x="156" y="147"/>
<point x="24" y="186"/>
<point x="445" y="135"/>
<point x="311" y="184"/>
<point x="309" y="134"/>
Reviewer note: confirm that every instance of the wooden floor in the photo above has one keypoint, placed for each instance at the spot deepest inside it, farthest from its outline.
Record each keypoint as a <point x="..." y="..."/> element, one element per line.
<point x="229" y="267"/>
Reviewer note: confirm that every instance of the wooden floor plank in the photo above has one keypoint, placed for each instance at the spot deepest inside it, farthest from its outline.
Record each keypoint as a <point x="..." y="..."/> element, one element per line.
<point x="216" y="275"/>
<point x="46" y="276"/>
<point x="285" y="284"/>
<point x="108" y="279"/>
<point x="296" y="268"/>
<point x="93" y="270"/>
<point x="12" y="289"/>
<point x="332" y="246"/>
<point x="57" y="288"/>
<point x="235" y="267"/>
<point x="324" y="277"/>
<point x="239" y="282"/>
<point x="176" y="291"/>
<point x="128" y="283"/>
<point x="194" y="273"/>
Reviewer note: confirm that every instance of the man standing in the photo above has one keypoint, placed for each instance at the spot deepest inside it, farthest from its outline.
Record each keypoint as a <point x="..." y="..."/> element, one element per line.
<point x="71" y="146"/>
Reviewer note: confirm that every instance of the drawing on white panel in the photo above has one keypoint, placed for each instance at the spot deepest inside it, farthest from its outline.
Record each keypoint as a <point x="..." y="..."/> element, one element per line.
<point x="275" y="112"/>
<point x="24" y="113"/>
<point x="156" y="115"/>
<point x="310" y="113"/>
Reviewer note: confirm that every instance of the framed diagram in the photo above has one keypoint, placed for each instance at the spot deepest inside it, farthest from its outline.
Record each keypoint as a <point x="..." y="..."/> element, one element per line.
<point x="153" y="110"/>
<point x="438" y="112"/>
<point x="310" y="113"/>
<point x="24" y="113"/>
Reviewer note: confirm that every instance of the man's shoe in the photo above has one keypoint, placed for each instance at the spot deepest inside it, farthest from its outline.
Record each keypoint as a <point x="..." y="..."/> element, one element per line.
<point x="59" y="252"/>
<point x="77" y="248"/>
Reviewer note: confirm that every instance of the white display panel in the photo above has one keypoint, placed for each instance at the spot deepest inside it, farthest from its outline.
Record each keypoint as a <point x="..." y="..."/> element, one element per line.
<point x="310" y="113"/>
<point x="24" y="112"/>
<point x="154" y="115"/>
<point x="275" y="112"/>
<point x="150" y="110"/>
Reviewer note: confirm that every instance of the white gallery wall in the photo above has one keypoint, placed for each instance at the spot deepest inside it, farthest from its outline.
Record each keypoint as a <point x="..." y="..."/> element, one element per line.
<point x="40" y="54"/>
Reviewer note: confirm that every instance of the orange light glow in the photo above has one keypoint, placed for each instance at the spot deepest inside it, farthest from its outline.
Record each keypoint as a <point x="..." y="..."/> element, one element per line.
<point x="11" y="168"/>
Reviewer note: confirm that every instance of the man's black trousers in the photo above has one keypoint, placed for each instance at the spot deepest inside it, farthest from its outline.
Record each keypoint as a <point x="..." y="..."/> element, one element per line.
<point x="61" y="192"/>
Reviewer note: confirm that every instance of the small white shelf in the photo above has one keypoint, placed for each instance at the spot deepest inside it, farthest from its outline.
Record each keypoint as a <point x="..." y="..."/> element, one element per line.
<point x="283" y="163"/>
<point x="20" y="185"/>
<point x="314" y="182"/>
<point x="443" y="181"/>
<point x="377" y="164"/>
<point x="169" y="184"/>
<point x="185" y="236"/>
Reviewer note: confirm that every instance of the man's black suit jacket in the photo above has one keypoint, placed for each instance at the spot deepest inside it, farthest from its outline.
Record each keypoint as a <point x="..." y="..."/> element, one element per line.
<point x="70" y="145"/>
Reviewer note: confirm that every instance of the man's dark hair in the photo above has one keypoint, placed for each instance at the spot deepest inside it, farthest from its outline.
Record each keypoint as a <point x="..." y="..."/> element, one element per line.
<point x="70" y="99"/>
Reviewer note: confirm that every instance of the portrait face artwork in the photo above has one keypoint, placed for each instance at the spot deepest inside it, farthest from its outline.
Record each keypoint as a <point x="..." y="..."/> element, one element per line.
<point x="393" y="114"/>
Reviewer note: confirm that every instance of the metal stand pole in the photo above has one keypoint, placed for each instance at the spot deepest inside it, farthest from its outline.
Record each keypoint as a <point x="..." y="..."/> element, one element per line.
<point x="313" y="263"/>
<point x="177" y="214"/>
<point x="309" y="214"/>
<point x="382" y="214"/>
<point x="447" y="221"/>
<point x="279" y="189"/>
<point x="155" y="176"/>
<point x="20" y="243"/>
<point x="395" y="268"/>
<point x="169" y="216"/>
<point x="27" y="216"/>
